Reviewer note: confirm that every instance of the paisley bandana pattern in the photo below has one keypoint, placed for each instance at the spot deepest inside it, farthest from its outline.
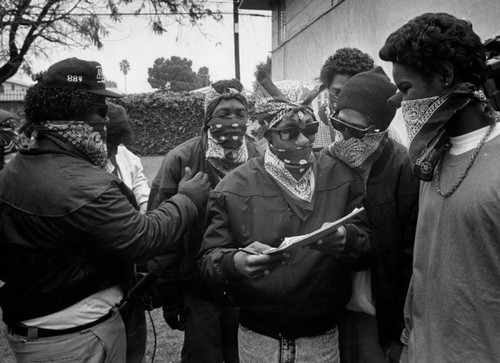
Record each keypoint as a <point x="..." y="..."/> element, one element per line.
<point x="212" y="99"/>
<point x="425" y="121"/>
<point x="217" y="157"/>
<point x="81" y="136"/>
<point x="303" y="188"/>
<point x="294" y="91"/>
<point x="355" y="152"/>
<point x="417" y="112"/>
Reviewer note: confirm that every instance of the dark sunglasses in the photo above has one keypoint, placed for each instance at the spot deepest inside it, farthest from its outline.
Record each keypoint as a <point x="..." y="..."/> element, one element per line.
<point x="291" y="133"/>
<point x="102" y="109"/>
<point x="357" y="132"/>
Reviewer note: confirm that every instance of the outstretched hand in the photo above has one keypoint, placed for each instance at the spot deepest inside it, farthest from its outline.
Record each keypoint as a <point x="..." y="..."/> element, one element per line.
<point x="252" y="264"/>
<point x="197" y="187"/>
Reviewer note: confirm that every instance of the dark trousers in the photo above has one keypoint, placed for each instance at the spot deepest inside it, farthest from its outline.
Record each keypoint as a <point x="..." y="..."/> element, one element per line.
<point x="358" y="341"/>
<point x="211" y="334"/>
<point x="134" y="319"/>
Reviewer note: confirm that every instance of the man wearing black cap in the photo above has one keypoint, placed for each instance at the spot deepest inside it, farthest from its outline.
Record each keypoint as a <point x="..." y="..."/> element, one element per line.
<point x="69" y="231"/>
<point x="376" y="306"/>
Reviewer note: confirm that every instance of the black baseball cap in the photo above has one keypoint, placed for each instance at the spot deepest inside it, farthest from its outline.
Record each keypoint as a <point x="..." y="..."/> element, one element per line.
<point x="77" y="74"/>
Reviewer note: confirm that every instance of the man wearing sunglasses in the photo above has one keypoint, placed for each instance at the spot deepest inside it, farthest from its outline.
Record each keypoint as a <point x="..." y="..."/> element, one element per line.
<point x="336" y="72"/>
<point x="290" y="303"/>
<point x="374" y="322"/>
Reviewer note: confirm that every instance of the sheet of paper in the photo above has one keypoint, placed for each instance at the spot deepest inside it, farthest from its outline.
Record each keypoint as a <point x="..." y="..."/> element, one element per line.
<point x="303" y="240"/>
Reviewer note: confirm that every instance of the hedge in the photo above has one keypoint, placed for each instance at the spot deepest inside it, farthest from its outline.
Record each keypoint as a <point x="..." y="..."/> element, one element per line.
<point x="163" y="120"/>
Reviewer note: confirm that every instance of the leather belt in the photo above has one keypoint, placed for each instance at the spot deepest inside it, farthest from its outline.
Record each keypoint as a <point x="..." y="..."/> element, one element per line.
<point x="44" y="333"/>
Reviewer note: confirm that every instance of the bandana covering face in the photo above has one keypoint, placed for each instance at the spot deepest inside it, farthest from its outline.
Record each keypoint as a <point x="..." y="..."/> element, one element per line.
<point x="228" y="136"/>
<point x="81" y="136"/>
<point x="302" y="188"/>
<point x="298" y="160"/>
<point x="220" y="160"/>
<point x="425" y="121"/>
<point x="356" y="152"/>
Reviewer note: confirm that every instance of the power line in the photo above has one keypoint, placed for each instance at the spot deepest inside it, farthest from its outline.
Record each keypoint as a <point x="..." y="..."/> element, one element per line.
<point x="167" y="14"/>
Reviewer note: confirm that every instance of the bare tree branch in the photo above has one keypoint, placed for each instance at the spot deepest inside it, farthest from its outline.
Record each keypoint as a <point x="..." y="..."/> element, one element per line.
<point x="28" y="27"/>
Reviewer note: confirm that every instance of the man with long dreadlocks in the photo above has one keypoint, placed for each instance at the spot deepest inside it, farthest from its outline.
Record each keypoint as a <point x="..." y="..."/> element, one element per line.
<point x="289" y="302"/>
<point x="70" y="231"/>
<point x="210" y="328"/>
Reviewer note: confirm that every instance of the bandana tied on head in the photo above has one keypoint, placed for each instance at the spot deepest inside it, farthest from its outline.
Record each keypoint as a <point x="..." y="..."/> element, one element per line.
<point x="425" y="120"/>
<point x="80" y="135"/>
<point x="275" y="101"/>
<point x="215" y="94"/>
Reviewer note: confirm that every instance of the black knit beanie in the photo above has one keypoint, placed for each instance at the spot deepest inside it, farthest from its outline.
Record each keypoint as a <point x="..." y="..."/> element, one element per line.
<point x="368" y="92"/>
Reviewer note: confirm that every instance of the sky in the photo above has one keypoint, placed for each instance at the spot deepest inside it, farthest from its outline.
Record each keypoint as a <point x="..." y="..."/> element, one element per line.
<point x="209" y="44"/>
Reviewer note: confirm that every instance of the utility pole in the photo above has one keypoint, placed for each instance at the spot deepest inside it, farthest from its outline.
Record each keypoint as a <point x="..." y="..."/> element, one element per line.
<point x="236" y="4"/>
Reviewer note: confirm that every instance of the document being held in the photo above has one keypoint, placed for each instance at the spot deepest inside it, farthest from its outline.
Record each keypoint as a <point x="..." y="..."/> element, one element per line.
<point x="306" y="239"/>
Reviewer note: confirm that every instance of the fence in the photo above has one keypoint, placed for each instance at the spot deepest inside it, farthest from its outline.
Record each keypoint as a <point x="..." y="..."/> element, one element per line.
<point x="17" y="95"/>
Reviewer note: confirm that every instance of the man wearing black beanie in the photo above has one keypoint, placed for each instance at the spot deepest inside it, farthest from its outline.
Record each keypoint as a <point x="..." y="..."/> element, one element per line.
<point x="375" y="312"/>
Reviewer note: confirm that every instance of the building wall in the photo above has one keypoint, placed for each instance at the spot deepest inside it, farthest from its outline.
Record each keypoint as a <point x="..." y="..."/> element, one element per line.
<point x="315" y="29"/>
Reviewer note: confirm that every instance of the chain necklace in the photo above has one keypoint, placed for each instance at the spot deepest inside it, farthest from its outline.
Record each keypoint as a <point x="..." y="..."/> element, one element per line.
<point x="462" y="176"/>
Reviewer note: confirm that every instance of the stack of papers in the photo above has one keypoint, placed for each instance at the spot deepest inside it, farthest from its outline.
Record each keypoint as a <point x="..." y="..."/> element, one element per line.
<point x="306" y="239"/>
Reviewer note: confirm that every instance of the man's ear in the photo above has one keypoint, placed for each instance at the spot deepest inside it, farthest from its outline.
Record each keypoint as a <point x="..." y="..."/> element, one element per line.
<point x="447" y="73"/>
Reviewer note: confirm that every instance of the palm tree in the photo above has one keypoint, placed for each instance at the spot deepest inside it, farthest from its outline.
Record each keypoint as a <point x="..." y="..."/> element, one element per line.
<point x="125" y="67"/>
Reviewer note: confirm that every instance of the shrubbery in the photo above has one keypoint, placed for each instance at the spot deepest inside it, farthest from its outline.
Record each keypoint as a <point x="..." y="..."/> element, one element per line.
<point x="163" y="120"/>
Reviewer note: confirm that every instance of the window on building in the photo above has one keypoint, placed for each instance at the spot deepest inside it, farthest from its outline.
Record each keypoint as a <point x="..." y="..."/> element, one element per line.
<point x="13" y="87"/>
<point x="281" y="21"/>
<point x="1" y="89"/>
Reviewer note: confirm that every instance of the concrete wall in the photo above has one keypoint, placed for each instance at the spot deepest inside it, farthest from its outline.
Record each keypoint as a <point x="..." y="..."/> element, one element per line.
<point x="317" y="28"/>
<point x="364" y="24"/>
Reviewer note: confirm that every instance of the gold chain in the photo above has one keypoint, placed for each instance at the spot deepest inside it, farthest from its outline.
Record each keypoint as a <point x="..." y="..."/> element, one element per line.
<point x="462" y="176"/>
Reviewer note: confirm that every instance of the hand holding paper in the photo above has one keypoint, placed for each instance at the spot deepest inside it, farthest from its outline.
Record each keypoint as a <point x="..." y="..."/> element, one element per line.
<point x="332" y="244"/>
<point x="329" y="232"/>
<point x="253" y="263"/>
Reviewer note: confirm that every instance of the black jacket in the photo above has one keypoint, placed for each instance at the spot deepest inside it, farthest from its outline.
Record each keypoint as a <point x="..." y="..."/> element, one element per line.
<point x="179" y="269"/>
<point x="69" y="229"/>
<point x="391" y="203"/>
<point x="305" y="296"/>
<point x="392" y="206"/>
